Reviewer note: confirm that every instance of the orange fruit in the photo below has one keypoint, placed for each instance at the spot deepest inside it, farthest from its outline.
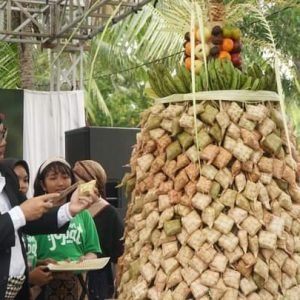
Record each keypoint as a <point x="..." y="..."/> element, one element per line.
<point x="187" y="48"/>
<point x="224" y="55"/>
<point x="227" y="45"/>
<point x="188" y="63"/>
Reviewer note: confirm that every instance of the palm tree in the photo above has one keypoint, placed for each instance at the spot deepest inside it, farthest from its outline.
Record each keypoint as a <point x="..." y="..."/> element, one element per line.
<point x="25" y="54"/>
<point x="24" y="63"/>
<point x="157" y="32"/>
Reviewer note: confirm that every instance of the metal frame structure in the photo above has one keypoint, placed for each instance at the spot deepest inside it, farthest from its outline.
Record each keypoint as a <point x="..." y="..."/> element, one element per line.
<point x="63" y="26"/>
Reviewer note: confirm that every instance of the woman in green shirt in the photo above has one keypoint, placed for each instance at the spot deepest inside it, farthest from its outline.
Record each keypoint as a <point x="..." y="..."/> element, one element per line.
<point x="80" y="242"/>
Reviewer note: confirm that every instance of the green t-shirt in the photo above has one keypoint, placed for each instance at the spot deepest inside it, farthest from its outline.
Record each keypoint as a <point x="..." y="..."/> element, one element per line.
<point x="80" y="238"/>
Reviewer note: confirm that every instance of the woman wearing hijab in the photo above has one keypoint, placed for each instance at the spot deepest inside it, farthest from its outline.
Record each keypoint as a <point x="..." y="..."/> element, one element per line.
<point x="38" y="275"/>
<point x="109" y="226"/>
<point x="21" y="169"/>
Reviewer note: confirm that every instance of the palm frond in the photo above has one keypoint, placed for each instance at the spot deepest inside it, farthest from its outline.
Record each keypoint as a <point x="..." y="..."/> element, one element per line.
<point x="93" y="92"/>
<point x="256" y="42"/>
<point x="234" y="14"/>
<point x="154" y="36"/>
<point x="297" y="84"/>
<point x="94" y="96"/>
<point x="9" y="66"/>
<point x="260" y="16"/>
<point x="98" y="46"/>
<point x="157" y="32"/>
<point x="282" y="2"/>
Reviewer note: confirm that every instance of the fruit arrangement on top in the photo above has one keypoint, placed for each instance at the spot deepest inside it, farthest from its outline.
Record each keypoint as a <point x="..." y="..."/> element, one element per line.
<point x="221" y="46"/>
<point x="219" y="42"/>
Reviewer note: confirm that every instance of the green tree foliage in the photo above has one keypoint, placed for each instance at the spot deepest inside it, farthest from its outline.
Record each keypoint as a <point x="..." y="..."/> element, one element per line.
<point x="124" y="108"/>
<point x="151" y="34"/>
<point x="283" y="17"/>
<point x="284" y="20"/>
<point x="9" y="66"/>
<point x="124" y="98"/>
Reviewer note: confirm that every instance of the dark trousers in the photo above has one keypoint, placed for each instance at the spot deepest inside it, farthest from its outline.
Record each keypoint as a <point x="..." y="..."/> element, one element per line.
<point x="100" y="283"/>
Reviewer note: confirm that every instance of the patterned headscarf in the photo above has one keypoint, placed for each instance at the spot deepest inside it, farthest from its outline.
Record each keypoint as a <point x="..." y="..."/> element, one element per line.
<point x="87" y="170"/>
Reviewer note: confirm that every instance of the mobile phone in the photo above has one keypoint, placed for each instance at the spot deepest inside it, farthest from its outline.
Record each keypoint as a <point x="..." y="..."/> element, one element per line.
<point x="65" y="193"/>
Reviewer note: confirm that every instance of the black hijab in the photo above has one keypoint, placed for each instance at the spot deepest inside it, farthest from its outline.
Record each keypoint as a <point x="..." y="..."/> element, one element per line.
<point x="11" y="163"/>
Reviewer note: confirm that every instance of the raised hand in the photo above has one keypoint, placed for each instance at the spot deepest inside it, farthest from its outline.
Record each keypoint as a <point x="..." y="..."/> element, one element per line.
<point x="80" y="202"/>
<point x="35" y="207"/>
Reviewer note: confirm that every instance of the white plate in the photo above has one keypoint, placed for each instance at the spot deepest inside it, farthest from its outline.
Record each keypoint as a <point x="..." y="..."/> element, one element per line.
<point x="86" y="265"/>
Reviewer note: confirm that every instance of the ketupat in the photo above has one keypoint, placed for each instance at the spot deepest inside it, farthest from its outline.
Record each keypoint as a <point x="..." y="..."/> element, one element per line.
<point x="225" y="190"/>
<point x="229" y="207"/>
<point x="86" y="188"/>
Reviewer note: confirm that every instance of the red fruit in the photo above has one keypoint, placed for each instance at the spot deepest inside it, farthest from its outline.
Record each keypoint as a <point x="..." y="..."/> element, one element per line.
<point x="237" y="47"/>
<point x="236" y="59"/>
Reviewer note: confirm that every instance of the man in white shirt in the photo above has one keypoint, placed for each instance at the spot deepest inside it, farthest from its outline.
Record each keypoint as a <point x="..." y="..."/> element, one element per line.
<point x="33" y="216"/>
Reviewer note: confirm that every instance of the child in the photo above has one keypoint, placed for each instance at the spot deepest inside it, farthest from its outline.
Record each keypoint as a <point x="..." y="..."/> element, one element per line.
<point x="80" y="242"/>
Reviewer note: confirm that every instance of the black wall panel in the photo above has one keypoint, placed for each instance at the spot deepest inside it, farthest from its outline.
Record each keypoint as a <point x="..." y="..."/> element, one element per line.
<point x="109" y="146"/>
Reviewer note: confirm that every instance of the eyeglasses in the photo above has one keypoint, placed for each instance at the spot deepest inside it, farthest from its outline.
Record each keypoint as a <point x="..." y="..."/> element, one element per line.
<point x="3" y="134"/>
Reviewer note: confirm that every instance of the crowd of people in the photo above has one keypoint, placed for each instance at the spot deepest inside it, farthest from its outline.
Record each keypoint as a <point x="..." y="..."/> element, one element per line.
<point x="38" y="231"/>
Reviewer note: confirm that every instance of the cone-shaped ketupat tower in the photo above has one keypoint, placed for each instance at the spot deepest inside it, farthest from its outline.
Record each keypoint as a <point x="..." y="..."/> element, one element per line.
<point x="214" y="199"/>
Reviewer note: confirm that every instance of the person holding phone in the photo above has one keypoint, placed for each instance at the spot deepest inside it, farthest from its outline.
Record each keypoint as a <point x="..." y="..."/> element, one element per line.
<point x="19" y="216"/>
<point x="80" y="242"/>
